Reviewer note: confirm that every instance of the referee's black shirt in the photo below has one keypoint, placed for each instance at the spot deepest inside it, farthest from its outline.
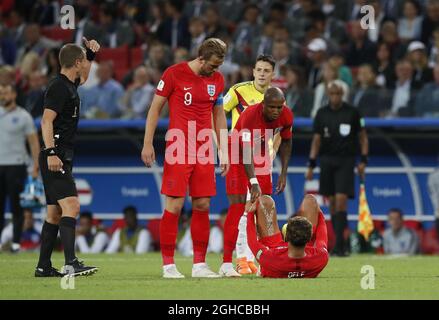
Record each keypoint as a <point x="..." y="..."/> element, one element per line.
<point x="339" y="130"/>
<point x="62" y="97"/>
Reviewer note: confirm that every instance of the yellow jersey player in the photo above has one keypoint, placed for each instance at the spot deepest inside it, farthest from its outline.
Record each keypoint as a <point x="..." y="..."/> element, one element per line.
<point x="238" y="98"/>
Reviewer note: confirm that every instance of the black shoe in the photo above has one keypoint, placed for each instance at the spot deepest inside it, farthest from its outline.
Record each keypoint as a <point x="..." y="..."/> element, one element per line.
<point x="77" y="268"/>
<point x="50" y="272"/>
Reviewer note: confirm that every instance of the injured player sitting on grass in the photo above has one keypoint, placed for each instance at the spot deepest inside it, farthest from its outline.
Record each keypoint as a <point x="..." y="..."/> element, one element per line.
<point x="301" y="253"/>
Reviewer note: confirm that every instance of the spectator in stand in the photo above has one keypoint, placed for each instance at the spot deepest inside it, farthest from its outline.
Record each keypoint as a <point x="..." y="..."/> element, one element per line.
<point x="433" y="58"/>
<point x="397" y="238"/>
<point x="31" y="62"/>
<point x="103" y="100"/>
<point x="116" y="33"/>
<point x="35" y="42"/>
<point x="247" y="30"/>
<point x="410" y="26"/>
<point x="214" y="22"/>
<point x="138" y="97"/>
<point x="196" y="29"/>
<point x="430" y="21"/>
<point x="8" y="48"/>
<point x="373" y="34"/>
<point x="393" y="9"/>
<point x="264" y="43"/>
<point x="46" y="13"/>
<point x="405" y="91"/>
<point x="156" y="17"/>
<point x="427" y="101"/>
<point x="16" y="27"/>
<point x="52" y="63"/>
<point x="181" y="55"/>
<point x="317" y="56"/>
<point x="360" y="49"/>
<point x="132" y="238"/>
<point x="384" y="67"/>
<point x="281" y="54"/>
<point x="354" y="11"/>
<point x="195" y="8"/>
<point x="297" y="96"/>
<point x="389" y="36"/>
<point x="89" y="238"/>
<point x="174" y="30"/>
<point x="368" y="97"/>
<point x="84" y="26"/>
<point x="35" y="95"/>
<point x="331" y="30"/>
<point x="344" y="72"/>
<point x="417" y="55"/>
<point x="321" y="97"/>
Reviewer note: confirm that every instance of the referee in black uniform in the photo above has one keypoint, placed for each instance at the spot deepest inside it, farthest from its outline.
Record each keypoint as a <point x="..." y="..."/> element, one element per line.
<point x="59" y="125"/>
<point x="338" y="133"/>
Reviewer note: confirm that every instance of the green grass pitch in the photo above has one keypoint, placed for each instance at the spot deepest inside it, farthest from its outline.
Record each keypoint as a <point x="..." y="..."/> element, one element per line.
<point x="125" y="276"/>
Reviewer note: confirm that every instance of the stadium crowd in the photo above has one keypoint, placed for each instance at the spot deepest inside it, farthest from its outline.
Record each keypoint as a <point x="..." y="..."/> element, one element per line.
<point x="389" y="71"/>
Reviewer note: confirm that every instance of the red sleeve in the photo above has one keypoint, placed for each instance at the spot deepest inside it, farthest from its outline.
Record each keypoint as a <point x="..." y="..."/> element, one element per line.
<point x="252" y="241"/>
<point x="321" y="233"/>
<point x="286" y="132"/>
<point x="166" y="84"/>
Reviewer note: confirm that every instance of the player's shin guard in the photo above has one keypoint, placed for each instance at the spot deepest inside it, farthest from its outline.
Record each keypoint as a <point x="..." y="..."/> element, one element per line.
<point x="231" y="230"/>
<point x="168" y="236"/>
<point x="200" y="229"/>
<point x="49" y="233"/>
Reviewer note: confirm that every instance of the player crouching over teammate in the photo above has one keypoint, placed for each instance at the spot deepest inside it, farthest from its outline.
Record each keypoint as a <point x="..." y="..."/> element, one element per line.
<point x="304" y="252"/>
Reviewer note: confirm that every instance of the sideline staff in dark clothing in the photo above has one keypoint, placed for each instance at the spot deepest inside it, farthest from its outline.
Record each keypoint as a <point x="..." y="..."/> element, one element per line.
<point x="59" y="125"/>
<point x="338" y="131"/>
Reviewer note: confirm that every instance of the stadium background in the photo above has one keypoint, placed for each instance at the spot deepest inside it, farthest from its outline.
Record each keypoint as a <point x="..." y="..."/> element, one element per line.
<point x="109" y="171"/>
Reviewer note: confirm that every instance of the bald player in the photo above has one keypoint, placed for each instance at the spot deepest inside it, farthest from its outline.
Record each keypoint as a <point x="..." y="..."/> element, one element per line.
<point x="251" y="162"/>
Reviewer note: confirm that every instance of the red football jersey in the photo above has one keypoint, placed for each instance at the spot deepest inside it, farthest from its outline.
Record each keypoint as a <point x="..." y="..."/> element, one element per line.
<point x="275" y="263"/>
<point x="261" y="133"/>
<point x="191" y="99"/>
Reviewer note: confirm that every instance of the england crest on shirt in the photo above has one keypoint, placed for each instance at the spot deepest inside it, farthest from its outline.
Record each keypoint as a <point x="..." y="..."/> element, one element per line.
<point x="211" y="89"/>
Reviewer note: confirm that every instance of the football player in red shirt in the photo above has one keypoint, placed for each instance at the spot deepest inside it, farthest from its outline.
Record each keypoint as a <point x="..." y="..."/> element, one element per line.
<point x="304" y="252"/>
<point x="253" y="133"/>
<point x="194" y="93"/>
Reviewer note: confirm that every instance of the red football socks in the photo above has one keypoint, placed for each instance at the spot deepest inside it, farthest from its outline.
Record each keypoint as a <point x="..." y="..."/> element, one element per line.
<point x="231" y="230"/>
<point x="168" y="236"/>
<point x="200" y="230"/>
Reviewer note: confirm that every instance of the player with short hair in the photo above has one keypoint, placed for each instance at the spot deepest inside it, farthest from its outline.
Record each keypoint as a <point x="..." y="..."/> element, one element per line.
<point x="255" y="129"/>
<point x="194" y="93"/>
<point x="302" y="253"/>
<point x="237" y="100"/>
<point x="59" y="125"/>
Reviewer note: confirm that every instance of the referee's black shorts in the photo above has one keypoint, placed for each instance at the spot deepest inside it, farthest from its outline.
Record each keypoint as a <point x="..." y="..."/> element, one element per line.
<point x="337" y="175"/>
<point x="57" y="185"/>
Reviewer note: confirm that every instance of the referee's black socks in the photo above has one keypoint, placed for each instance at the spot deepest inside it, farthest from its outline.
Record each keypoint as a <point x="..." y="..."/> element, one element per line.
<point x="49" y="234"/>
<point x="67" y="232"/>
<point x="340" y="223"/>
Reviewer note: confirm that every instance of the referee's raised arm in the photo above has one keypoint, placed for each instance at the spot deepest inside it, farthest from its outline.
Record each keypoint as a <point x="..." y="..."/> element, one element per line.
<point x="91" y="48"/>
